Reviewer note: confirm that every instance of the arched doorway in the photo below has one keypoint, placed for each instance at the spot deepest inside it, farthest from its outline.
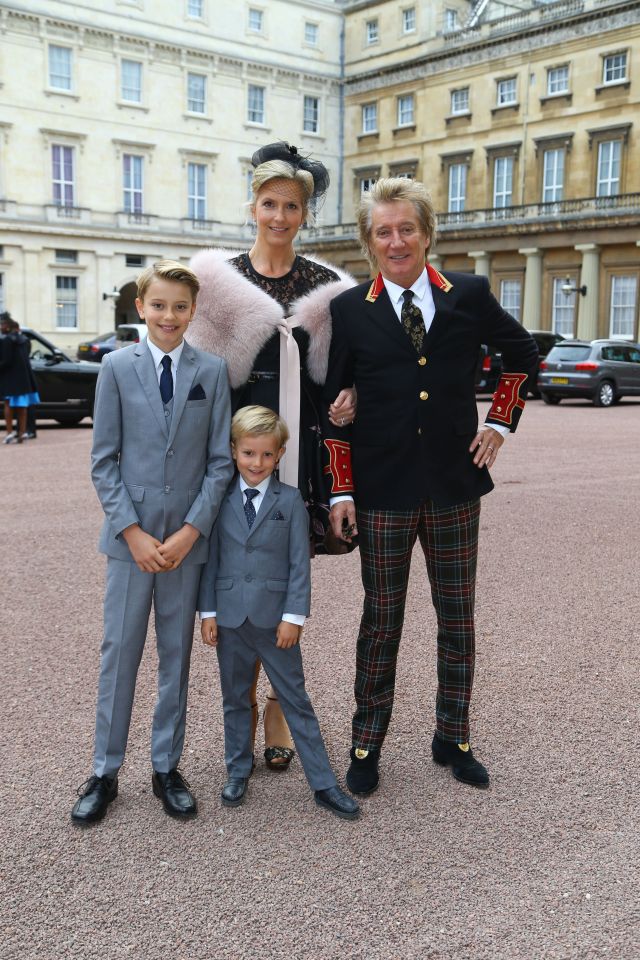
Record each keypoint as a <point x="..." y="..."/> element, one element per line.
<point x="125" y="307"/>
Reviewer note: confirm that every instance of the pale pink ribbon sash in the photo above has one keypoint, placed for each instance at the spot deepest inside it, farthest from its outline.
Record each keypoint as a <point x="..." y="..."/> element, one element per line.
<point x="290" y="398"/>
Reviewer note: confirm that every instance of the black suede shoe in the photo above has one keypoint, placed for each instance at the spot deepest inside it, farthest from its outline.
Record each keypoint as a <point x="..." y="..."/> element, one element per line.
<point x="463" y="764"/>
<point x="234" y="790"/>
<point x="175" y="793"/>
<point x="338" y="802"/>
<point x="95" y="796"/>
<point x="362" y="775"/>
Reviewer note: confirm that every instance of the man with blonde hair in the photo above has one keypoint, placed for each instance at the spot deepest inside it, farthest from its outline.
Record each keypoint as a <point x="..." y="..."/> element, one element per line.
<point x="415" y="460"/>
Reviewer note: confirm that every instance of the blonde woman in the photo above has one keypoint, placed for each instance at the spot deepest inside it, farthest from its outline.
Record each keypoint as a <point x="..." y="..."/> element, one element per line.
<point x="266" y="312"/>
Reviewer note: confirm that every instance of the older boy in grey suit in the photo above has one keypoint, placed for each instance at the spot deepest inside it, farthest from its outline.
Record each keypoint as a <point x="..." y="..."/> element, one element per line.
<point x="160" y="465"/>
<point x="254" y="596"/>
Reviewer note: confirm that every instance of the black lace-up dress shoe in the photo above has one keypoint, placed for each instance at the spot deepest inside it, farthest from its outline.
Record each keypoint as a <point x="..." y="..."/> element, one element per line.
<point x="175" y="793"/>
<point x="338" y="802"/>
<point x="95" y="795"/>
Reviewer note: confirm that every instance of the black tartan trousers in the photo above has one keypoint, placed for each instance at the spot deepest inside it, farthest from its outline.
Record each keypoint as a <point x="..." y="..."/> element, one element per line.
<point x="449" y="540"/>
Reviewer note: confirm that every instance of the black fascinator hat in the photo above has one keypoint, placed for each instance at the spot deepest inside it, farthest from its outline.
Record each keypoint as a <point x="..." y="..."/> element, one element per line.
<point x="282" y="151"/>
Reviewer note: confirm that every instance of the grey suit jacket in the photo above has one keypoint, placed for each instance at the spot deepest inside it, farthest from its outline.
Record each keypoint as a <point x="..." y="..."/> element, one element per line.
<point x="148" y="473"/>
<point x="259" y="573"/>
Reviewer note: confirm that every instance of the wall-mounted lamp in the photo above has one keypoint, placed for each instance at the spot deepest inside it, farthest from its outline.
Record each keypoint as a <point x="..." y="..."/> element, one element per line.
<point x="568" y="288"/>
<point x="115" y="294"/>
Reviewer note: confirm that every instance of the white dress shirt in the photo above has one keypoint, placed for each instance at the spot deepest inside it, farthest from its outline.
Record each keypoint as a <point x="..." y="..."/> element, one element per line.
<point x="262" y="487"/>
<point x="158" y="356"/>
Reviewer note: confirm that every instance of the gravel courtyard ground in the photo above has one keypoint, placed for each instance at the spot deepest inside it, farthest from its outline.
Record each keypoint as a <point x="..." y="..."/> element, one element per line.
<point x="543" y="866"/>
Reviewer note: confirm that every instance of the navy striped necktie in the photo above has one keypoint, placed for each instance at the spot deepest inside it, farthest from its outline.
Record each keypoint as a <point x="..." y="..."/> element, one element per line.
<point x="249" y="509"/>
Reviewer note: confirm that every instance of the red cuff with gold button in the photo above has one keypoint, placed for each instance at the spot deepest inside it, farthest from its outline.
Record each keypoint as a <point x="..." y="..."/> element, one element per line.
<point x="339" y="467"/>
<point x="508" y="400"/>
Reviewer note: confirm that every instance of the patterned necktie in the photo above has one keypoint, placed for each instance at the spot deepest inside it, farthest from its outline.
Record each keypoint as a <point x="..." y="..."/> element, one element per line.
<point x="166" y="380"/>
<point x="249" y="509"/>
<point x="412" y="320"/>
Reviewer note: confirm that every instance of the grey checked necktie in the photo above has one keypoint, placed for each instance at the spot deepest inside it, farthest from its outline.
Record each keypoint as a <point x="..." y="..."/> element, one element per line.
<point x="412" y="320"/>
<point x="249" y="509"/>
<point x="166" y="380"/>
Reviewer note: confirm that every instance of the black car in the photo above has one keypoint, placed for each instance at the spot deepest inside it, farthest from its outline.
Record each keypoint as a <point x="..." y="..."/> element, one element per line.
<point x="95" y="349"/>
<point x="490" y="362"/>
<point x="67" y="387"/>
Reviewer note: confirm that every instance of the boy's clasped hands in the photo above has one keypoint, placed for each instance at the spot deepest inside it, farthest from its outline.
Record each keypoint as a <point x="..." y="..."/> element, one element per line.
<point x="153" y="556"/>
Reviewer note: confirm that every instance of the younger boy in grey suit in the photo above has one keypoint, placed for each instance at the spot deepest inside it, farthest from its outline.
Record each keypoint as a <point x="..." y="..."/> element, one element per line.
<point x="160" y="464"/>
<point x="255" y="593"/>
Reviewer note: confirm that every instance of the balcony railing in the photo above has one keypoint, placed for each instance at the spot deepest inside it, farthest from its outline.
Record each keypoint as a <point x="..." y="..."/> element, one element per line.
<point x="543" y="212"/>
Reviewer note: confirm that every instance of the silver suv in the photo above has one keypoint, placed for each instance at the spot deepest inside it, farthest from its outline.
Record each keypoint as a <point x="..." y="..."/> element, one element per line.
<point x="603" y="371"/>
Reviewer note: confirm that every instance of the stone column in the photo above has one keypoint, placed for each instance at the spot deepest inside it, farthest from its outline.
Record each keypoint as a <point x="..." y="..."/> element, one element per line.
<point x="105" y="312"/>
<point x="532" y="305"/>
<point x="483" y="262"/>
<point x="589" y="277"/>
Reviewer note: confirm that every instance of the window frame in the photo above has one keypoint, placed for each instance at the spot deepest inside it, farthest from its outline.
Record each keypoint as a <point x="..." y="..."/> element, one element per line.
<point x="69" y="301"/>
<point x="140" y="65"/>
<point x="258" y="31"/>
<point x="460" y="198"/>
<point x="195" y="16"/>
<point x="632" y="307"/>
<point x="510" y="162"/>
<point x="563" y="302"/>
<point x="371" y="32"/>
<point x="459" y="113"/>
<point x="412" y="99"/>
<point x="315" y="43"/>
<point x="253" y="88"/>
<point x="613" y="81"/>
<point x="62" y="182"/>
<point x="559" y="152"/>
<point x="50" y="74"/>
<point x="500" y="84"/>
<point x="130" y="193"/>
<point x="556" y="69"/>
<point x="196" y="197"/>
<point x="600" y="180"/>
<point x="191" y="75"/>
<point x="405" y="14"/>
<point x="515" y="309"/>
<point x="371" y="105"/>
<point x="314" y="101"/>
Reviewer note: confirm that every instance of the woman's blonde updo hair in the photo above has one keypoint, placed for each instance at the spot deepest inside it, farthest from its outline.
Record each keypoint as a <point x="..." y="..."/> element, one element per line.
<point x="281" y="161"/>
<point x="281" y="170"/>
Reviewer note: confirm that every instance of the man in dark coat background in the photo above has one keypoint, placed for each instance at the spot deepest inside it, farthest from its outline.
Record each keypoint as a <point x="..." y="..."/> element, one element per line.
<point x="414" y="459"/>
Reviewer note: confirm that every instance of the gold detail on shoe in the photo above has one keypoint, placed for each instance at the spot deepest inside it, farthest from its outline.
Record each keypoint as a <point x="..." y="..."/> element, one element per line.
<point x="361" y="754"/>
<point x="464" y="747"/>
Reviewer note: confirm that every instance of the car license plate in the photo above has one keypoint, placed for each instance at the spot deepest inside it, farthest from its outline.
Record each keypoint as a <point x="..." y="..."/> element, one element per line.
<point x="559" y="380"/>
<point x="84" y="349"/>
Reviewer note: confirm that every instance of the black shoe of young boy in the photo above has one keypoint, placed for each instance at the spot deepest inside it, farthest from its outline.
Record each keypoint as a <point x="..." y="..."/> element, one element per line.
<point x="234" y="790"/>
<point x="175" y="793"/>
<point x="338" y="802"/>
<point x="362" y="775"/>
<point x="95" y="795"/>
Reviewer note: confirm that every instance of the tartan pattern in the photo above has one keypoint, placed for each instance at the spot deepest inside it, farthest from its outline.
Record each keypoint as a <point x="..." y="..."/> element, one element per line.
<point x="412" y="320"/>
<point x="449" y="540"/>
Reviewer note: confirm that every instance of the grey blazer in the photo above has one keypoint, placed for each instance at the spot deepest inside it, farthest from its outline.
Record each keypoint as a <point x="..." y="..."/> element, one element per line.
<point x="260" y="573"/>
<point x="147" y="472"/>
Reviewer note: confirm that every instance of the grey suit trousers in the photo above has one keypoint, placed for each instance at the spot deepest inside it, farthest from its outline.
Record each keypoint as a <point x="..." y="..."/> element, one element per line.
<point x="127" y="606"/>
<point x="238" y="649"/>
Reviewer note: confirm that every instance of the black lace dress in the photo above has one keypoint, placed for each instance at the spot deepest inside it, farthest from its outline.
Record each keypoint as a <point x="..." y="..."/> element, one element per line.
<point x="263" y="385"/>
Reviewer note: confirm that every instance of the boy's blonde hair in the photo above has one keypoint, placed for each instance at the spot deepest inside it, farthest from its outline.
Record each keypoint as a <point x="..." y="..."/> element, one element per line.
<point x="255" y="421"/>
<point x="171" y="270"/>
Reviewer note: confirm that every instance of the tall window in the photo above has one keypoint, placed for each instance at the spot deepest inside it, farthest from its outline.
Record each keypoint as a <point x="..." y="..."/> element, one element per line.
<point x="311" y="111"/>
<point x="502" y="181"/>
<point x="623" y="307"/>
<point x="564" y="309"/>
<point x="62" y="175"/>
<point x="507" y="92"/>
<point x="132" y="182"/>
<point x="406" y="110"/>
<point x="366" y="183"/>
<point x="66" y="303"/>
<point x="552" y="176"/>
<point x="255" y="106"/>
<point x="557" y="80"/>
<point x="311" y="34"/>
<point x="196" y="93"/>
<point x="457" y="187"/>
<point x="197" y="177"/>
<point x="59" y="67"/>
<point x="256" y="20"/>
<point x="608" y="184"/>
<point x="371" y="31"/>
<point x="195" y="8"/>
<point x="131" y="75"/>
<point x="409" y="20"/>
<point x="614" y="68"/>
<point x="370" y="118"/>
<point x="450" y="19"/>
<point x="510" y="297"/>
<point x="460" y="101"/>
